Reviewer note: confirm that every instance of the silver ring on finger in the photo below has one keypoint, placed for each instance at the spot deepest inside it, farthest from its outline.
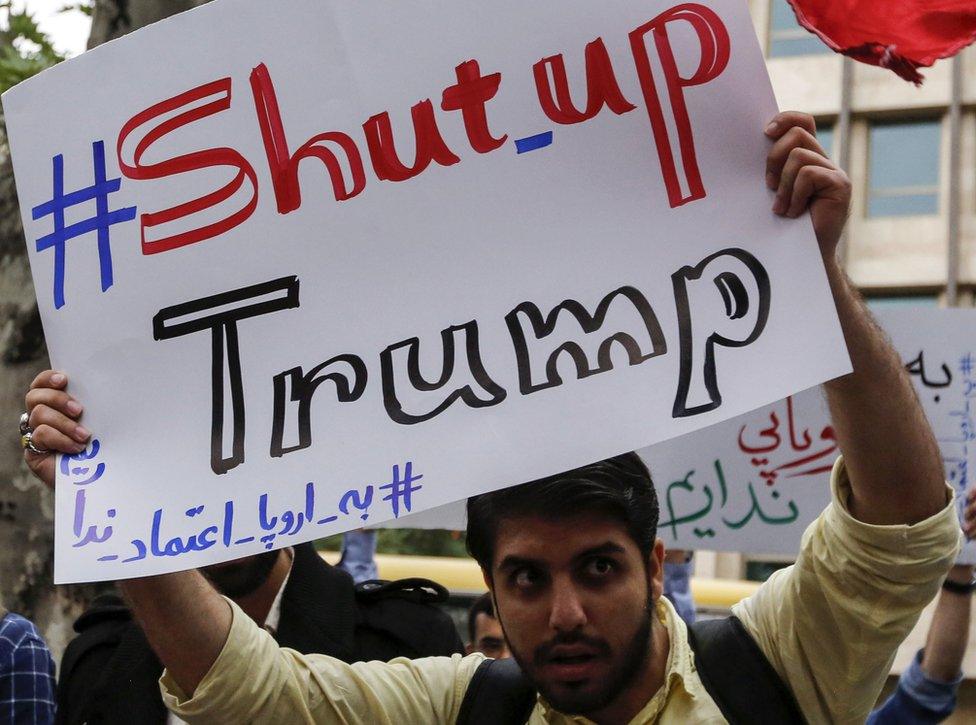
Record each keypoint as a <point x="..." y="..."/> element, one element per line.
<point x="25" y="423"/>
<point x="27" y="441"/>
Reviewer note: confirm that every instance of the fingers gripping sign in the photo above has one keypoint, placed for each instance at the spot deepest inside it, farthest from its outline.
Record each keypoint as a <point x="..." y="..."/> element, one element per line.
<point x="52" y="416"/>
<point x="802" y="175"/>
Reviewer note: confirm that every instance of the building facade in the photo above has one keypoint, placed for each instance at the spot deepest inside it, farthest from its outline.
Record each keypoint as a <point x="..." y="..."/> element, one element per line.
<point x="910" y="152"/>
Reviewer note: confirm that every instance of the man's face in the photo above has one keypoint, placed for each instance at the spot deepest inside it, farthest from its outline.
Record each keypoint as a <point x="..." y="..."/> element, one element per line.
<point x="575" y="598"/>
<point x="489" y="638"/>
<point x="240" y="577"/>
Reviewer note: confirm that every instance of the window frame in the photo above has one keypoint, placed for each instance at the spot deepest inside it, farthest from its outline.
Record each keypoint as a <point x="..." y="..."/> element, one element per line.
<point x="933" y="190"/>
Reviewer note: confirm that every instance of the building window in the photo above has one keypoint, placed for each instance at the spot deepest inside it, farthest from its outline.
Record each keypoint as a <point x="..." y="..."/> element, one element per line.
<point x="901" y="301"/>
<point x="904" y="168"/>
<point x="786" y="37"/>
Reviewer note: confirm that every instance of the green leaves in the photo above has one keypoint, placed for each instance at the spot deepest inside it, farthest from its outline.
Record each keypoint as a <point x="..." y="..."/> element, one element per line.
<point x="24" y="50"/>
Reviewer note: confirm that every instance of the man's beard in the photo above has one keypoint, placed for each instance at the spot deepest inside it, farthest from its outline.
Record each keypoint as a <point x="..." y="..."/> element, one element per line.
<point x="625" y="669"/>
<point x="239" y="579"/>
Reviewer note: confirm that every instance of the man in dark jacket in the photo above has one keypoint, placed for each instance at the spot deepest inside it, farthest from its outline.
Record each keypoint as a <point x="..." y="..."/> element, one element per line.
<point x="109" y="673"/>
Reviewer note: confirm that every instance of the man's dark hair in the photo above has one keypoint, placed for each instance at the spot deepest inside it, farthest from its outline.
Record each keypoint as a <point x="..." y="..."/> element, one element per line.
<point x="620" y="487"/>
<point x="482" y="605"/>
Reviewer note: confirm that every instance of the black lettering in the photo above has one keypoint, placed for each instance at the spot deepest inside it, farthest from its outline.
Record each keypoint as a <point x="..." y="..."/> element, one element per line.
<point x="494" y="393"/>
<point x="225" y="311"/>
<point x="303" y="387"/>
<point x="743" y="299"/>
<point x="544" y="326"/>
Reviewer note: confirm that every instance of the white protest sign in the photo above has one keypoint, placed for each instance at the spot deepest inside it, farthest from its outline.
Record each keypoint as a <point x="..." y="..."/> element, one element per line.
<point x="330" y="266"/>
<point x="755" y="482"/>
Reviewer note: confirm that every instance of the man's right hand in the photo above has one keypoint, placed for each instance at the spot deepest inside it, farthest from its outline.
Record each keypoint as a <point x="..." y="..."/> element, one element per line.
<point x="53" y="416"/>
<point x="184" y="618"/>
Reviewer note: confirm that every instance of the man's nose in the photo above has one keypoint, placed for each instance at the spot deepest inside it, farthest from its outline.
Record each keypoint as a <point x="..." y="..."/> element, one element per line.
<point x="567" y="611"/>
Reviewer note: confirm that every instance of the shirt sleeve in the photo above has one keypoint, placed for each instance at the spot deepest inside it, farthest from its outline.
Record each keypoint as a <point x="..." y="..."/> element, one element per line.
<point x="831" y="623"/>
<point x="26" y="675"/>
<point x="254" y="680"/>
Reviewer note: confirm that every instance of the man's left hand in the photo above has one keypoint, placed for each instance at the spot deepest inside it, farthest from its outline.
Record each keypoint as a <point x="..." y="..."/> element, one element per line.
<point x="804" y="177"/>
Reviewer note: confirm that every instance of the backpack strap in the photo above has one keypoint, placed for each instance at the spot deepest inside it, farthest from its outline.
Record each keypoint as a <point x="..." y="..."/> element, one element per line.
<point x="414" y="589"/>
<point x="738" y="676"/>
<point x="498" y="694"/>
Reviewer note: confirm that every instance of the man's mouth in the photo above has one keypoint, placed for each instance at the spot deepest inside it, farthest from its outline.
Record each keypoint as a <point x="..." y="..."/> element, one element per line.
<point x="571" y="664"/>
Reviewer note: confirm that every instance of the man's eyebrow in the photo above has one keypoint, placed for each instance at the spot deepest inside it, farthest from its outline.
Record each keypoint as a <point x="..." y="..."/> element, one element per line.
<point x="517" y="562"/>
<point x="608" y="547"/>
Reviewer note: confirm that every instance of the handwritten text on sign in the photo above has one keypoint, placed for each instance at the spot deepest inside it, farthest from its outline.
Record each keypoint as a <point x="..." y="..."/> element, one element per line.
<point x="367" y="261"/>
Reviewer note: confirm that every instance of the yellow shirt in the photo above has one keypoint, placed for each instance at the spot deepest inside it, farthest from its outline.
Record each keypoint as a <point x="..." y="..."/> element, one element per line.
<point x="829" y="625"/>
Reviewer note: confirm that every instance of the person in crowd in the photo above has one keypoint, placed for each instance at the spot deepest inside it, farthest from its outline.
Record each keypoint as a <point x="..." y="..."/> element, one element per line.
<point x="26" y="673"/>
<point x="926" y="691"/>
<point x="358" y="558"/>
<point x="109" y="673"/>
<point x="484" y="631"/>
<point x="576" y="572"/>
<point x="678" y="568"/>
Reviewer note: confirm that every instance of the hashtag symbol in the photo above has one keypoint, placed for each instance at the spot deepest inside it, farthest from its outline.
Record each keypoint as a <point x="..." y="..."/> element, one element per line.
<point x="99" y="223"/>
<point x="401" y="490"/>
<point x="966" y="365"/>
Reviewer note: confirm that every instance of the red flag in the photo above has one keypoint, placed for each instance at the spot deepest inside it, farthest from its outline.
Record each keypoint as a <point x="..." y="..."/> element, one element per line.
<point x="901" y="35"/>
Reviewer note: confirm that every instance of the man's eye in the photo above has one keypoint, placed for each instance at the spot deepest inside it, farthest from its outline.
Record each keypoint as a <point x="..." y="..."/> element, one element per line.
<point x="525" y="578"/>
<point x="600" y="567"/>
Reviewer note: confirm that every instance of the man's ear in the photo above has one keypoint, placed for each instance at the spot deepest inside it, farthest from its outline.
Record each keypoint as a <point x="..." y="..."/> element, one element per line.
<point x="655" y="570"/>
<point x="486" y="575"/>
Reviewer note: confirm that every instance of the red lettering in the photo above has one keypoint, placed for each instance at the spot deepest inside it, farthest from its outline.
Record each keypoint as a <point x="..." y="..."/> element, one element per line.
<point x="284" y="165"/>
<point x="714" y="41"/>
<point x="469" y="95"/>
<point x="601" y="87"/>
<point x="430" y="144"/>
<point x="209" y="158"/>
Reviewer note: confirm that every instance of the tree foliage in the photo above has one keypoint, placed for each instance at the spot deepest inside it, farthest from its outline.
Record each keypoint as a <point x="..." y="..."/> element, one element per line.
<point x="24" y="50"/>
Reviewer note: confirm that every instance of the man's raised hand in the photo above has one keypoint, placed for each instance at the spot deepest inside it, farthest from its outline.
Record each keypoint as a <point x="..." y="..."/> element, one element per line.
<point x="798" y="168"/>
<point x="53" y="415"/>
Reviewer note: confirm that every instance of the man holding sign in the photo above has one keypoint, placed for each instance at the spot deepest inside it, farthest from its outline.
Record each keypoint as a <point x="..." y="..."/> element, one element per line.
<point x="575" y="570"/>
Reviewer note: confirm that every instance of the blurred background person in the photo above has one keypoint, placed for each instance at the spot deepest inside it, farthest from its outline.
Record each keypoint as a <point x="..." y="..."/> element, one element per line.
<point x="358" y="558"/>
<point x="485" y="631"/>
<point x="678" y="568"/>
<point x="26" y="673"/>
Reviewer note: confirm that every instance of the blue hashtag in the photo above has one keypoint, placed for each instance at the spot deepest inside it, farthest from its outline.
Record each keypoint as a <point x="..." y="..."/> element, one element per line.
<point x="966" y="365"/>
<point x="401" y="490"/>
<point x="101" y="222"/>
